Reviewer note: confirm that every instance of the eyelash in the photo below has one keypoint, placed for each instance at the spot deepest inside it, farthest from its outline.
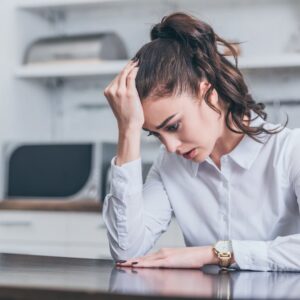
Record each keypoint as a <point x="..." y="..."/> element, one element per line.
<point x="174" y="127"/>
<point x="171" y="128"/>
<point x="152" y="133"/>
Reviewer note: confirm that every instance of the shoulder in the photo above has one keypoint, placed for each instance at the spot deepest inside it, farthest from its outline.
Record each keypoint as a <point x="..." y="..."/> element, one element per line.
<point x="293" y="151"/>
<point x="286" y="146"/>
<point x="288" y="141"/>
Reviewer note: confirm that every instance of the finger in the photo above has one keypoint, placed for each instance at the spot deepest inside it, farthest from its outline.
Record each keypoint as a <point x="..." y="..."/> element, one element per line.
<point x="158" y="263"/>
<point x="117" y="81"/>
<point x="138" y="260"/>
<point x="130" y="80"/>
<point x="126" y="67"/>
<point x="124" y="73"/>
<point x="128" y="262"/>
<point x="161" y="254"/>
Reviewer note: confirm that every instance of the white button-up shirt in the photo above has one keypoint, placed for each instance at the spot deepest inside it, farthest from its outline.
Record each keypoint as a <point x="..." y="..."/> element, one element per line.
<point x="252" y="200"/>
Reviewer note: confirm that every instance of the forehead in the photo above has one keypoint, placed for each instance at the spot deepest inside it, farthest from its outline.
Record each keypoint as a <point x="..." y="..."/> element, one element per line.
<point x="157" y="110"/>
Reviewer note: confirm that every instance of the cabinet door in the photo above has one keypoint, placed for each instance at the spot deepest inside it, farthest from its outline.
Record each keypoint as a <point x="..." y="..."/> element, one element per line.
<point x="65" y="234"/>
<point x="53" y="233"/>
<point x="28" y="226"/>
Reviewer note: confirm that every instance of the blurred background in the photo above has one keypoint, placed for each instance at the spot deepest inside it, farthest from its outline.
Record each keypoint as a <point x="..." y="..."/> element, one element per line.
<point x="57" y="133"/>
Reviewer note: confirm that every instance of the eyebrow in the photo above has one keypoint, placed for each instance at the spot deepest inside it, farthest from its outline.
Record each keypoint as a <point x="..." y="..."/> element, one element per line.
<point x="164" y="123"/>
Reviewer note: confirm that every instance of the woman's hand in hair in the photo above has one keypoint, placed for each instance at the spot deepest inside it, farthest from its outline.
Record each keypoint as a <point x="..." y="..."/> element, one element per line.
<point x="187" y="257"/>
<point x="124" y="100"/>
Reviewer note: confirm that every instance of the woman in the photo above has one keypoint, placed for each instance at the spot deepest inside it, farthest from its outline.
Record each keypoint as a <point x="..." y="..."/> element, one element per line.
<point x="231" y="179"/>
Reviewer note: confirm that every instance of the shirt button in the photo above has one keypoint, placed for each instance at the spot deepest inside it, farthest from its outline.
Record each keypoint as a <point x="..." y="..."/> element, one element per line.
<point x="121" y="211"/>
<point x="225" y="183"/>
<point x="119" y="178"/>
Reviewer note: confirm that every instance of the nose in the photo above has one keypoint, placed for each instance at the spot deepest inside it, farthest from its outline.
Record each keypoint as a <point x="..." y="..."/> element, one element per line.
<point x="171" y="144"/>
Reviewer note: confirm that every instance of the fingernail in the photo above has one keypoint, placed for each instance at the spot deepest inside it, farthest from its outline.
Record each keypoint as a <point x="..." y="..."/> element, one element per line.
<point x="134" y="263"/>
<point x="120" y="261"/>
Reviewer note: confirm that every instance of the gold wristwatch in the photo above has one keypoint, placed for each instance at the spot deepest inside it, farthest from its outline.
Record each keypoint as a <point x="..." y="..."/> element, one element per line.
<point x="223" y="250"/>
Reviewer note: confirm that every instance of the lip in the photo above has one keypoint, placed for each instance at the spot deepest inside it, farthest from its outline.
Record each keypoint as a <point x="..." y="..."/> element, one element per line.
<point x="190" y="154"/>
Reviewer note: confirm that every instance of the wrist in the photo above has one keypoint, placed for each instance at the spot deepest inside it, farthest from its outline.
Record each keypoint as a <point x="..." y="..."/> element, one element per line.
<point x="128" y="145"/>
<point x="224" y="253"/>
<point x="129" y="129"/>
<point x="212" y="256"/>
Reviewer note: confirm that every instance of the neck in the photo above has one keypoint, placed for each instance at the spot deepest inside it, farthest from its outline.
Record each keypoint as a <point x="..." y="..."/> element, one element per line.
<point x="227" y="141"/>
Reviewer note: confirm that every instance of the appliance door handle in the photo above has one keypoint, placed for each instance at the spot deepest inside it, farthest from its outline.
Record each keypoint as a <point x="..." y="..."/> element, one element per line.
<point x="15" y="223"/>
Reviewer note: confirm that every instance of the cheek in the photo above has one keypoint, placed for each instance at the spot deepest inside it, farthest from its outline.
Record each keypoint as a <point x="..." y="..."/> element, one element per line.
<point x="202" y="132"/>
<point x="211" y="122"/>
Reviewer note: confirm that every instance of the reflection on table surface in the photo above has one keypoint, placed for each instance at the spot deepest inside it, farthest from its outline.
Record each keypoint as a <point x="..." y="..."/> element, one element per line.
<point x="210" y="282"/>
<point x="53" y="277"/>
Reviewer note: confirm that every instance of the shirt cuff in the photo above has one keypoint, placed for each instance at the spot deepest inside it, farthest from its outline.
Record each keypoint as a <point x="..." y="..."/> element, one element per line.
<point x="126" y="179"/>
<point x="251" y="255"/>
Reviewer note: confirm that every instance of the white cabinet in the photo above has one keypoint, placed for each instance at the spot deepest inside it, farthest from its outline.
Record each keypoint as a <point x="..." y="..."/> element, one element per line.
<point x="64" y="234"/>
<point x="53" y="233"/>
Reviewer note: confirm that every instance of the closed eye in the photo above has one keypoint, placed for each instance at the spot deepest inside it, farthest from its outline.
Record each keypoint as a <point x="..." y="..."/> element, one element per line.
<point x="173" y="127"/>
<point x="170" y="128"/>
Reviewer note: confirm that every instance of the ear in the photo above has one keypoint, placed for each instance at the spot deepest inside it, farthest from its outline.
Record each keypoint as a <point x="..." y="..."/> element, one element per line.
<point x="204" y="86"/>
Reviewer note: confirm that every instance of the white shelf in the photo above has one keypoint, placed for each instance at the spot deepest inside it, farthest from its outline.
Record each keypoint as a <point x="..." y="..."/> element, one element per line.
<point x="270" y="62"/>
<point x="100" y="68"/>
<point x="36" y="5"/>
<point x="57" y="4"/>
<point x="80" y="69"/>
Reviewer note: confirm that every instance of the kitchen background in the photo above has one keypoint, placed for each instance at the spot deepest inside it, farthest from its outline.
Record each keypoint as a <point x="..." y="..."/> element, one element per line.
<point x="61" y="102"/>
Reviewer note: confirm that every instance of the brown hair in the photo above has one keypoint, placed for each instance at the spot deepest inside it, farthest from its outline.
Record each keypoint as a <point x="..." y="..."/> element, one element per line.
<point x="183" y="51"/>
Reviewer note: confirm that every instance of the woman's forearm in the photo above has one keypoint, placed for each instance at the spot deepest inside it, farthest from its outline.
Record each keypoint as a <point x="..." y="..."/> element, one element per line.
<point x="129" y="145"/>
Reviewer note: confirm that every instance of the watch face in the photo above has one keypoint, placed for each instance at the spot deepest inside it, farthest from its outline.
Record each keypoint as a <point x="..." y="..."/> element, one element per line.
<point x="224" y="246"/>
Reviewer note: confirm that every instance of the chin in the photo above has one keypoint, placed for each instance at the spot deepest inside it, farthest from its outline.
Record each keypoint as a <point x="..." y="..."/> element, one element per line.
<point x="200" y="157"/>
<point x="198" y="160"/>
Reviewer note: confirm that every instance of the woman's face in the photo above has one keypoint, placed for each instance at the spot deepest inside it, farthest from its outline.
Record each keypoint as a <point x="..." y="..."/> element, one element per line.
<point x="185" y="125"/>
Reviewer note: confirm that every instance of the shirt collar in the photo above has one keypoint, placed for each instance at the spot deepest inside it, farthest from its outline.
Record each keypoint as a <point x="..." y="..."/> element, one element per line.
<point x="194" y="168"/>
<point x="245" y="153"/>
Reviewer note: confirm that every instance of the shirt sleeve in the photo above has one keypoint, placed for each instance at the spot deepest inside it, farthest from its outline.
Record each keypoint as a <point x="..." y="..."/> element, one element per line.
<point x="282" y="253"/>
<point x="135" y="215"/>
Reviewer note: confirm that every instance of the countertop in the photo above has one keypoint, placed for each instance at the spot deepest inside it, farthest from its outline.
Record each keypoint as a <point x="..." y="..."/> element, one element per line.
<point x="43" y="277"/>
<point x="43" y="204"/>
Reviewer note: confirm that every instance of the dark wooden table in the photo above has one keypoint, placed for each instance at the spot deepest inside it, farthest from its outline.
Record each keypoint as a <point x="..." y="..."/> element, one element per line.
<point x="43" y="278"/>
